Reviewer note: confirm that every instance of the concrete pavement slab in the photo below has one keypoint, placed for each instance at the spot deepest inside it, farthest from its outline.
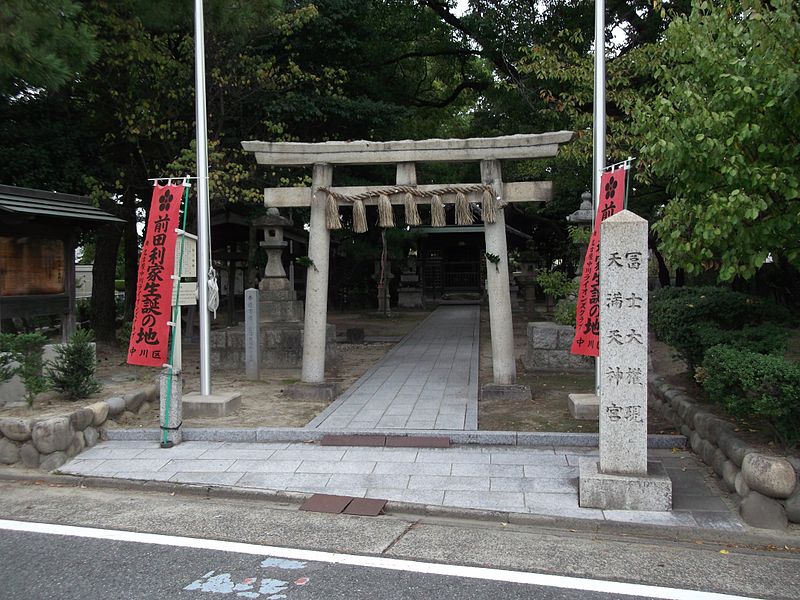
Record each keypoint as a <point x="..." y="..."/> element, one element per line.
<point x="536" y="481"/>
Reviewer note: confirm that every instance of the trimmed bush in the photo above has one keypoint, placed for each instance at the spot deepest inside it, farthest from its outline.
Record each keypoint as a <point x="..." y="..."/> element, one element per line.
<point x="692" y="320"/>
<point x="748" y="384"/>
<point x="25" y="349"/>
<point x="72" y="372"/>
<point x="565" y="311"/>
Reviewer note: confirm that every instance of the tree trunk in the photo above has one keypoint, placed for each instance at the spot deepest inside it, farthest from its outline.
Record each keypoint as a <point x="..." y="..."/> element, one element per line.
<point x="104" y="311"/>
<point x="131" y="253"/>
<point x="680" y="277"/>
<point x="663" y="271"/>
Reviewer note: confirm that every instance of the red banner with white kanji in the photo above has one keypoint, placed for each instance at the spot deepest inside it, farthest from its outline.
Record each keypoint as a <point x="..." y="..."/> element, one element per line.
<point x="149" y="344"/>
<point x="587" y="312"/>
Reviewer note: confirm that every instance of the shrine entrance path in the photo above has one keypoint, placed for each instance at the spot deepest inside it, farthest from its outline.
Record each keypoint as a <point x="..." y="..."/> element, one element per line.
<point x="428" y="381"/>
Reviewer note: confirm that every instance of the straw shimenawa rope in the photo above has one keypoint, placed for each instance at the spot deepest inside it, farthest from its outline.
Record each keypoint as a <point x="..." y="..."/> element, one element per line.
<point x="487" y="207"/>
<point x="332" y="219"/>
<point x="437" y="212"/>
<point x="464" y="215"/>
<point x="412" y="213"/>
<point x="359" y="217"/>
<point x="385" y="212"/>
<point x="463" y="211"/>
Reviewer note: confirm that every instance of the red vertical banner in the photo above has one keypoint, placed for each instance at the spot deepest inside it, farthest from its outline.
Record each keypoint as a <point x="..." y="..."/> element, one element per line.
<point x="587" y="312"/>
<point x="149" y="344"/>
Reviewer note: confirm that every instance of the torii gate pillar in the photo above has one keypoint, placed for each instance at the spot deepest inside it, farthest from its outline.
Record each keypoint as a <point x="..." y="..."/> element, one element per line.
<point x="316" y="309"/>
<point x="504" y="368"/>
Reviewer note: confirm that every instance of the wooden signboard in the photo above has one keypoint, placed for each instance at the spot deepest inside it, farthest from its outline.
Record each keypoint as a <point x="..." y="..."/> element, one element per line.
<point x="31" y="265"/>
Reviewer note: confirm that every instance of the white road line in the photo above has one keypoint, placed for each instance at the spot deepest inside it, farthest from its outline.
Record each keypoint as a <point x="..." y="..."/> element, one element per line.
<point x="557" y="581"/>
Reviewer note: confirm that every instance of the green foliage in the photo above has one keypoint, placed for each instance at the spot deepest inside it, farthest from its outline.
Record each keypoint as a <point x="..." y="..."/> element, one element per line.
<point x="722" y="131"/>
<point x="748" y="384"/>
<point x="556" y="284"/>
<point x="26" y="349"/>
<point x="72" y="371"/>
<point x="43" y="44"/>
<point x="692" y="320"/>
<point x="305" y="262"/>
<point x="123" y="334"/>
<point x="565" y="312"/>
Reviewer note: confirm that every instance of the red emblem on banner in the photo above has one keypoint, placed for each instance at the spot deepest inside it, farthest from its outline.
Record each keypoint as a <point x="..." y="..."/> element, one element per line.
<point x="150" y="331"/>
<point x="587" y="312"/>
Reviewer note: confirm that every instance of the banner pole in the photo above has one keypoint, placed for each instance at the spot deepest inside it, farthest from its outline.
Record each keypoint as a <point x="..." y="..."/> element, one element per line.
<point x="599" y="125"/>
<point x="203" y="219"/>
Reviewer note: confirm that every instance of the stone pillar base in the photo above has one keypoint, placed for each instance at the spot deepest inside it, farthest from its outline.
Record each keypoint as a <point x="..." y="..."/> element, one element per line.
<point x="584" y="407"/>
<point x="511" y="392"/>
<point x="624" y="492"/>
<point x="311" y="392"/>
<point x="213" y="405"/>
<point x="171" y="416"/>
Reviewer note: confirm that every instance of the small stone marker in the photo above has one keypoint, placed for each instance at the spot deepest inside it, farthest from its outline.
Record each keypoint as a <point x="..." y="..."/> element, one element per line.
<point x="252" y="350"/>
<point x="623" y="479"/>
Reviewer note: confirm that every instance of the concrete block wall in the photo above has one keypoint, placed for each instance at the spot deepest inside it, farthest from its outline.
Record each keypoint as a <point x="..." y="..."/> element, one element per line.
<point x="767" y="485"/>
<point x="46" y="443"/>
<point x="548" y="349"/>
<point x="281" y="346"/>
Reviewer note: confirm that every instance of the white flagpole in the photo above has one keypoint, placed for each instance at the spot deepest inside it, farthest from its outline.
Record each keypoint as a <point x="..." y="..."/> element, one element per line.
<point x="599" y="127"/>
<point x="203" y="242"/>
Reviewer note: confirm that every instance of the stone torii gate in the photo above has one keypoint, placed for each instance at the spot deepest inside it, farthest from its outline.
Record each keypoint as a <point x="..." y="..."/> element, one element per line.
<point x="405" y="154"/>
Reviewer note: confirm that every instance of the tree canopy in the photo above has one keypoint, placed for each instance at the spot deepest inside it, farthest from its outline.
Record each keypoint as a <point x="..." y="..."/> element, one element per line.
<point x="722" y="131"/>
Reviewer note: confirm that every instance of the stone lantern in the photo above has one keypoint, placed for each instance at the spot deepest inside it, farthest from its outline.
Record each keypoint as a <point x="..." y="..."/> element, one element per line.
<point x="279" y="302"/>
<point x="582" y="217"/>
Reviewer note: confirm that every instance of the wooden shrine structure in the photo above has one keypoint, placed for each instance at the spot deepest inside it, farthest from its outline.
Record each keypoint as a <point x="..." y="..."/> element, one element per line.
<point x="325" y="201"/>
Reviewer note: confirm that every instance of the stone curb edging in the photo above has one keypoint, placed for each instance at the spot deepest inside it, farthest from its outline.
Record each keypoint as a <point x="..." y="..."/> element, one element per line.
<point x="46" y="443"/>
<point x="288" y="434"/>
<point x="397" y="508"/>
<point x="768" y="486"/>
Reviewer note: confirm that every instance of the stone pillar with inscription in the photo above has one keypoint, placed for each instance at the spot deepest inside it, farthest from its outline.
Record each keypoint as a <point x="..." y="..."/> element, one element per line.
<point x="623" y="478"/>
<point x="252" y="346"/>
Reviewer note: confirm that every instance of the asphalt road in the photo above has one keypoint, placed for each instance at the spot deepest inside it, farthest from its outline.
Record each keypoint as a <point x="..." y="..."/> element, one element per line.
<point x="52" y="565"/>
<point x="44" y="565"/>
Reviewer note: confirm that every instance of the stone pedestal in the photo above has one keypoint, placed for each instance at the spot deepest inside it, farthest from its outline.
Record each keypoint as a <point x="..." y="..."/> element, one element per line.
<point x="410" y="293"/>
<point x="214" y="405"/>
<point x="649" y="491"/>
<point x="584" y="407"/>
<point x="623" y="479"/>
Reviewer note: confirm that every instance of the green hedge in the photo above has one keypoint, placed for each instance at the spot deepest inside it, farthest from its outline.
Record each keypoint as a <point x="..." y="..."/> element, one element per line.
<point x="748" y="384"/>
<point x="693" y="319"/>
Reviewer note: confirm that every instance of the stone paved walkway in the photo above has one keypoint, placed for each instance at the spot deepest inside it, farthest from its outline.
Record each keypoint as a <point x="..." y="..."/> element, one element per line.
<point x="540" y="480"/>
<point x="428" y="381"/>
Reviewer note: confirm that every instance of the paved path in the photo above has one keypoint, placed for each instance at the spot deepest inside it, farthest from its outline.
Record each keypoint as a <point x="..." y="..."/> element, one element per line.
<point x="428" y="381"/>
<point x="541" y="480"/>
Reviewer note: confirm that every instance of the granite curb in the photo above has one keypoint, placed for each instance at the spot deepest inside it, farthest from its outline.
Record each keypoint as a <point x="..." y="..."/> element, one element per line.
<point x="299" y="434"/>
<point x="757" y="538"/>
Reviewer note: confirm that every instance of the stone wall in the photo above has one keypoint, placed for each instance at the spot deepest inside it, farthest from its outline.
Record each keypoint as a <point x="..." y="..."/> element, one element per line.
<point x="548" y="349"/>
<point x="46" y="443"/>
<point x="766" y="485"/>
